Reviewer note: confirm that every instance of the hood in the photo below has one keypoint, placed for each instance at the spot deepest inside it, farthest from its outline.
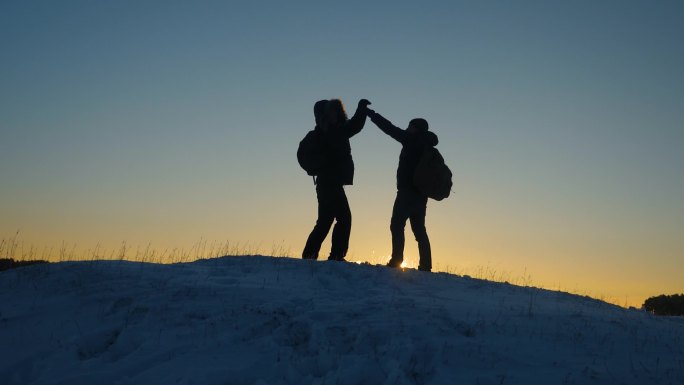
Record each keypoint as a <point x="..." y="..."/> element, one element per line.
<point x="429" y="138"/>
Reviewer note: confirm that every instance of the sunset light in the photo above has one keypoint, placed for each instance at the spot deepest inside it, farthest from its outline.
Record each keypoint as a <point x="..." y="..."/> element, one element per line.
<point x="221" y="192"/>
<point x="123" y="124"/>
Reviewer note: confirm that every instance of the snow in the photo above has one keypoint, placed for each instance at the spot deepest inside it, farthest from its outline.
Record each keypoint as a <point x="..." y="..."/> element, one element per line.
<point x="263" y="320"/>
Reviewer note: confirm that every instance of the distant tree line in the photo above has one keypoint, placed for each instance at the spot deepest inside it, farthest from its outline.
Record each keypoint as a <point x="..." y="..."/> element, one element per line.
<point x="666" y="304"/>
<point x="9" y="263"/>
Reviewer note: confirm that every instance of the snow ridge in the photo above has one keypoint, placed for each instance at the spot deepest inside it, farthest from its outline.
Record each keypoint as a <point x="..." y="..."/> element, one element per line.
<point x="263" y="320"/>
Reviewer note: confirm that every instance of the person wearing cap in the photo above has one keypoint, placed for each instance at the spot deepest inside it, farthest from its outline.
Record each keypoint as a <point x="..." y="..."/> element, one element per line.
<point x="409" y="204"/>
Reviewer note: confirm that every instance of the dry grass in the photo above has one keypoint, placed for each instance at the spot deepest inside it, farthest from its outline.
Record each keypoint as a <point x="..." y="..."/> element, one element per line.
<point x="13" y="248"/>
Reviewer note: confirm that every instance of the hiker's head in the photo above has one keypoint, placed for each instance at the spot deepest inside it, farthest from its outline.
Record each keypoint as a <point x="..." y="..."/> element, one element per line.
<point x="334" y="112"/>
<point x="319" y="111"/>
<point x="417" y="125"/>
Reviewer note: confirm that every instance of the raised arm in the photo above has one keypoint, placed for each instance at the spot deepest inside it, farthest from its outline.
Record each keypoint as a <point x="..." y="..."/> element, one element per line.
<point x="354" y="125"/>
<point x="387" y="127"/>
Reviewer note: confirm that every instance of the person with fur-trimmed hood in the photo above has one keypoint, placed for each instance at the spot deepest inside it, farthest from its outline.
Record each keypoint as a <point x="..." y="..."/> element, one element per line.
<point x="410" y="204"/>
<point x="336" y="130"/>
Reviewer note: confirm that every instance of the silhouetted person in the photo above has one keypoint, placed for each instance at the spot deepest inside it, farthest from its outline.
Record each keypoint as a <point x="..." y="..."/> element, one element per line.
<point x="410" y="203"/>
<point x="332" y="122"/>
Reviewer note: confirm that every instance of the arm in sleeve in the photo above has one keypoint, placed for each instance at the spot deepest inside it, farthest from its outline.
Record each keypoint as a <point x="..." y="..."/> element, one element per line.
<point x="387" y="127"/>
<point x="354" y="125"/>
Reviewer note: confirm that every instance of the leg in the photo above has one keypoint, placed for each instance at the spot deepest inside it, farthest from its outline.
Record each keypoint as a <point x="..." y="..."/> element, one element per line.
<point x="420" y="232"/>
<point x="400" y="213"/>
<point x="342" y="229"/>
<point x="325" y="219"/>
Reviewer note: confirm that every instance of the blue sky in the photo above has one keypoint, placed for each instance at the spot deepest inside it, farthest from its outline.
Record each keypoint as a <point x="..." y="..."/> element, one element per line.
<point x="170" y="122"/>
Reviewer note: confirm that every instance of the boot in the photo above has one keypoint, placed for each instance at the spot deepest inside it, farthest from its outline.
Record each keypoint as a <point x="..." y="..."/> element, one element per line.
<point x="396" y="263"/>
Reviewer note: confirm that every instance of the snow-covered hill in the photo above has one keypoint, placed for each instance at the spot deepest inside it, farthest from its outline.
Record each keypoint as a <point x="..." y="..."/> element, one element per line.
<point x="262" y="320"/>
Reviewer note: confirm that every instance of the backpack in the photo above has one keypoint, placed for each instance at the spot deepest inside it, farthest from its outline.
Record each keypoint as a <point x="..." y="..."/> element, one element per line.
<point x="311" y="153"/>
<point x="432" y="177"/>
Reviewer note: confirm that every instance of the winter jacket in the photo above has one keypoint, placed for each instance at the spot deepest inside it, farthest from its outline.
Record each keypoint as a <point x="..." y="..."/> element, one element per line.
<point x="413" y="145"/>
<point x="340" y="165"/>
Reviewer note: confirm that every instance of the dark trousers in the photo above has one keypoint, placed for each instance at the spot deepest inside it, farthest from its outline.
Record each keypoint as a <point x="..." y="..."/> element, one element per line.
<point x="332" y="205"/>
<point x="410" y="205"/>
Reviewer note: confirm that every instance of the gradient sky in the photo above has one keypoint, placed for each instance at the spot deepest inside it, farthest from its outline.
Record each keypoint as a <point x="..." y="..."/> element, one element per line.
<point x="169" y="122"/>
